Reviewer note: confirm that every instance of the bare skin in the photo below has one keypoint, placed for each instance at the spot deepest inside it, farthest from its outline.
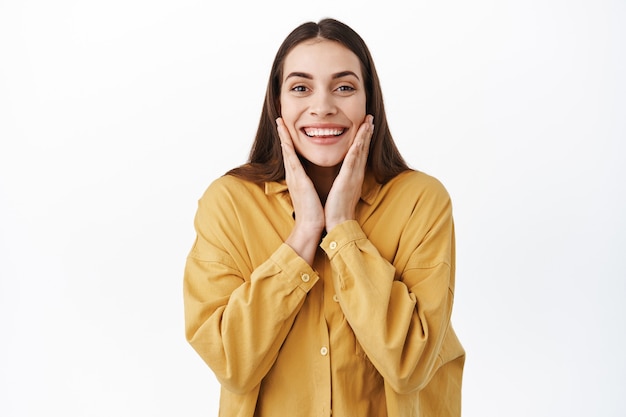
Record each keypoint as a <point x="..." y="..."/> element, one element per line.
<point x="323" y="197"/>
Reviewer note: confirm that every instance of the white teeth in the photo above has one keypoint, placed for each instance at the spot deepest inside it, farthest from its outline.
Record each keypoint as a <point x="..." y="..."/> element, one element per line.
<point x="322" y="132"/>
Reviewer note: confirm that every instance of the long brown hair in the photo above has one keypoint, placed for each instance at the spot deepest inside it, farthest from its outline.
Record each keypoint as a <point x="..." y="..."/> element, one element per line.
<point x="265" y="162"/>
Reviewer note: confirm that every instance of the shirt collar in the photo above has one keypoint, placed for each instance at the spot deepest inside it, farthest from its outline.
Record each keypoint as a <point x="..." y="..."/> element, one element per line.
<point x="369" y="191"/>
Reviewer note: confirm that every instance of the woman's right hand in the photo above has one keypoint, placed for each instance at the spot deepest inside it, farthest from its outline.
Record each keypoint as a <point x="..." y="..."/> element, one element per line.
<point x="305" y="236"/>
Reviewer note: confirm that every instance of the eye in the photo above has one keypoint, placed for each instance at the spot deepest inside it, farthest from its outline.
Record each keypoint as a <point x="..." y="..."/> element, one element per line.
<point x="345" y="88"/>
<point x="299" y="89"/>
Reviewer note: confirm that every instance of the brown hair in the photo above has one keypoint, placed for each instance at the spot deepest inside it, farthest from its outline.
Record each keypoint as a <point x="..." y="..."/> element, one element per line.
<point x="265" y="162"/>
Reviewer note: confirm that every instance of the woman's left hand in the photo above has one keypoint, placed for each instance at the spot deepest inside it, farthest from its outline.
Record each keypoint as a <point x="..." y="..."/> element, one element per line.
<point x="346" y="190"/>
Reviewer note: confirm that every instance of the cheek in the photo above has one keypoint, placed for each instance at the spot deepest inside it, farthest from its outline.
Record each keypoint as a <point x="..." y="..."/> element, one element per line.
<point x="291" y="127"/>
<point x="293" y="133"/>
<point x="284" y="110"/>
<point x="360" y="111"/>
<point x="289" y="116"/>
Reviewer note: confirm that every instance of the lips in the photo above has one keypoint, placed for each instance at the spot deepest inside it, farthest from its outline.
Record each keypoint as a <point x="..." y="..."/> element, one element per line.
<point x="323" y="132"/>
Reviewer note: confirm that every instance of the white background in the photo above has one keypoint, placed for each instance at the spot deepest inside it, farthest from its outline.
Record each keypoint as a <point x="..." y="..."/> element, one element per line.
<point x="115" y="116"/>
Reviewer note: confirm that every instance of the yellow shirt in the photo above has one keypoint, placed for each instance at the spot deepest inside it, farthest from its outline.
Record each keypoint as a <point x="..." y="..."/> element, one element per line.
<point x="363" y="332"/>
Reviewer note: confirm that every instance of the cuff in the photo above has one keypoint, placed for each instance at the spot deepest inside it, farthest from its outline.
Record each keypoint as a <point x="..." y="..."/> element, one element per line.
<point x="342" y="235"/>
<point x="294" y="268"/>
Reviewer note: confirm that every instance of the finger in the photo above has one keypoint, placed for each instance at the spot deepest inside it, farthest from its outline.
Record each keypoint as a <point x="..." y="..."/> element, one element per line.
<point x="290" y="158"/>
<point x="283" y="133"/>
<point x="366" y="139"/>
<point x="367" y="132"/>
<point x="364" y="134"/>
<point x="357" y="154"/>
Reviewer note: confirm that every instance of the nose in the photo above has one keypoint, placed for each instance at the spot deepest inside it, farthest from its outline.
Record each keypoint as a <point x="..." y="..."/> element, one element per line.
<point x="322" y="104"/>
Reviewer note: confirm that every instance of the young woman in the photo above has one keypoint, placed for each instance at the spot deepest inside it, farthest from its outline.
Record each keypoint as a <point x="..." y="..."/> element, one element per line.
<point x="321" y="280"/>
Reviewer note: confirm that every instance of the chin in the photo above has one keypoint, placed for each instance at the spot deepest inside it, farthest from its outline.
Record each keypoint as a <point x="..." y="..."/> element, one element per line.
<point x="324" y="157"/>
<point x="325" y="162"/>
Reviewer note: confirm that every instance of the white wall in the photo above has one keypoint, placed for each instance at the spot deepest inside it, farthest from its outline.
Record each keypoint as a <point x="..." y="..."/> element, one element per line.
<point x="114" y="117"/>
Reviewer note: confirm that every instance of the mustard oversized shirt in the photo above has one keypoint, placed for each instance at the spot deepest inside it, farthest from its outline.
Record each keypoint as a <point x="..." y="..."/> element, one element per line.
<point x="363" y="332"/>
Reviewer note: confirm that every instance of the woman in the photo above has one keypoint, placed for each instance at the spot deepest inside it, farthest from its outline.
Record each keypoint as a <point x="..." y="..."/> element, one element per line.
<point x="322" y="277"/>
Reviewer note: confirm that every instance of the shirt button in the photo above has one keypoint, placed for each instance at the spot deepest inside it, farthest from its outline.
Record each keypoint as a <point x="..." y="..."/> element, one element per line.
<point x="335" y="298"/>
<point x="305" y="277"/>
<point x="333" y="245"/>
<point x="324" y="351"/>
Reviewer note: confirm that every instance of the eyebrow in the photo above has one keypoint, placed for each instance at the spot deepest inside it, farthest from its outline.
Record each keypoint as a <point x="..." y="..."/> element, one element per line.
<point x="334" y="76"/>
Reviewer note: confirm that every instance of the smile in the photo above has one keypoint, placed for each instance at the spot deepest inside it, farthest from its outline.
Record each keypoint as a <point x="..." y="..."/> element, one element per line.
<point x="315" y="132"/>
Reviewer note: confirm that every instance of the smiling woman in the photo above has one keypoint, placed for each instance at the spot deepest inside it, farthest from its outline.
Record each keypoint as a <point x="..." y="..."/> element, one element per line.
<point x="322" y="276"/>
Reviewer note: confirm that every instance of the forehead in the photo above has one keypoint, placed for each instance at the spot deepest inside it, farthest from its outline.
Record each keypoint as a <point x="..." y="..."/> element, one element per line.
<point x="321" y="57"/>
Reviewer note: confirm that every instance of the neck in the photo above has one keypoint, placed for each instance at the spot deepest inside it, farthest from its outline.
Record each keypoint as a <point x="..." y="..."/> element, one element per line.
<point x="322" y="178"/>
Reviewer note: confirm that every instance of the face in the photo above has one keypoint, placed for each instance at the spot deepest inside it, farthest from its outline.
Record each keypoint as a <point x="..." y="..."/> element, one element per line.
<point x="322" y="100"/>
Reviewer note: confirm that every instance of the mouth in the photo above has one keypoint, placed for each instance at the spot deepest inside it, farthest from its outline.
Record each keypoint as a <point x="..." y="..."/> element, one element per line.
<point x="314" y="132"/>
